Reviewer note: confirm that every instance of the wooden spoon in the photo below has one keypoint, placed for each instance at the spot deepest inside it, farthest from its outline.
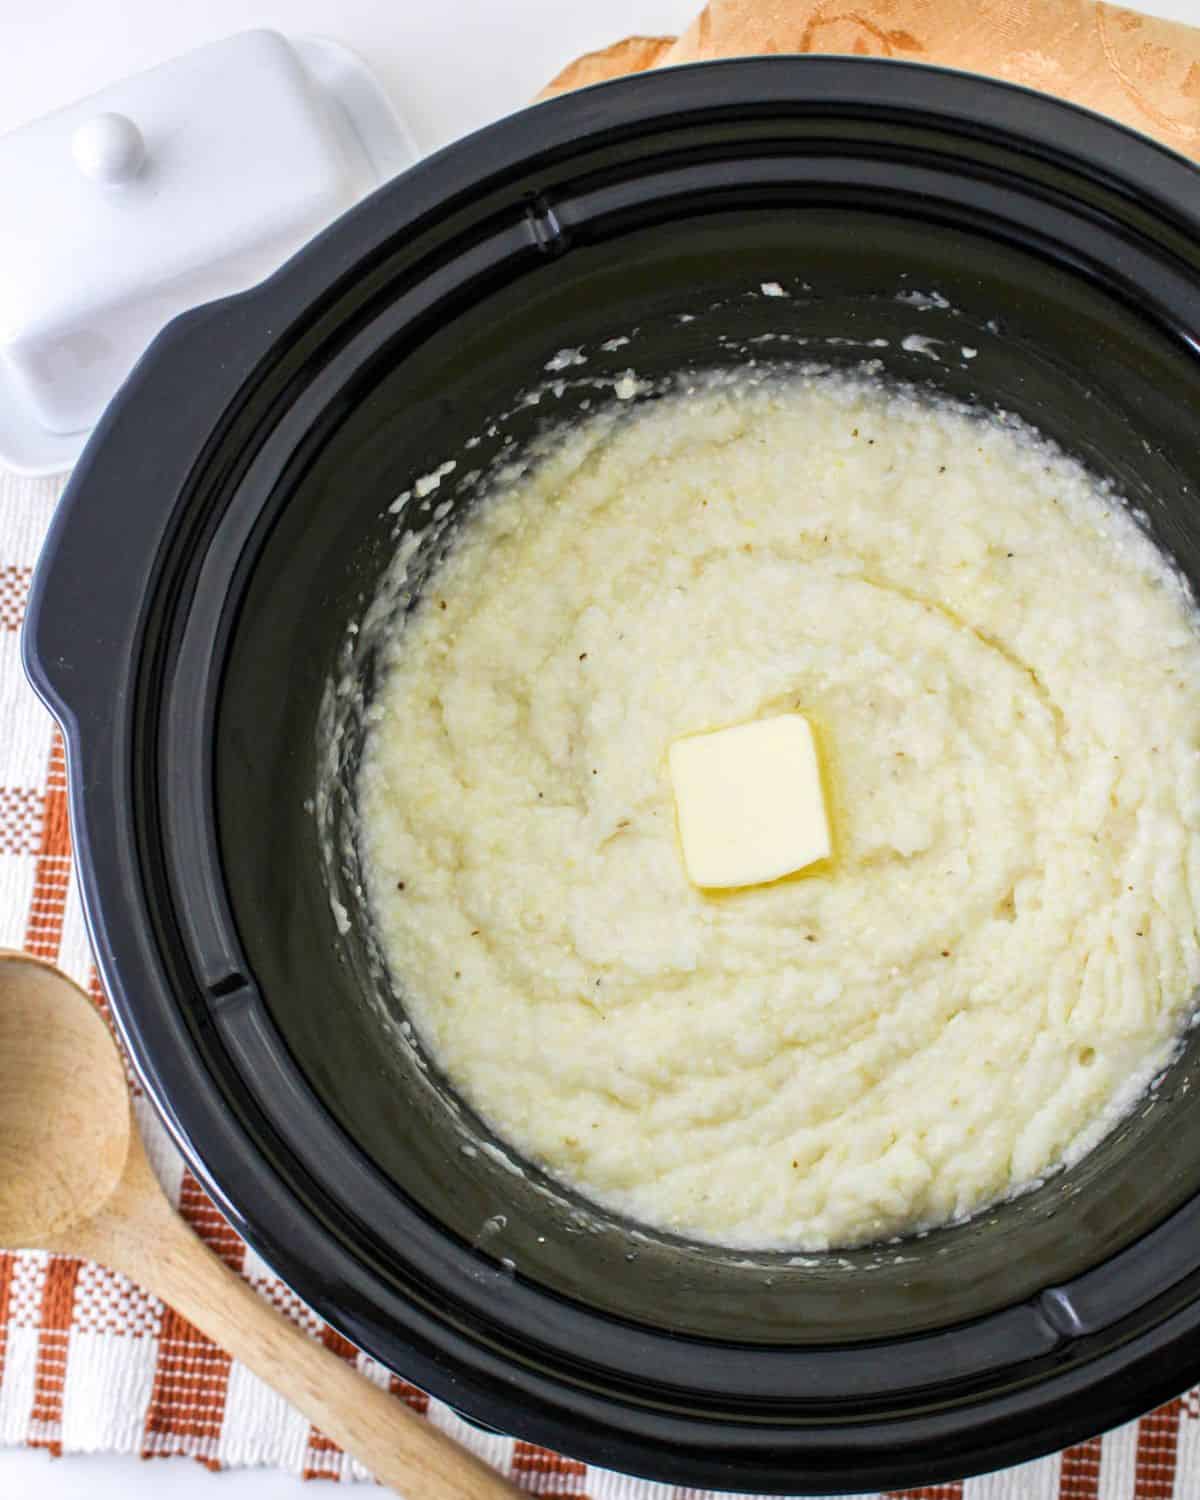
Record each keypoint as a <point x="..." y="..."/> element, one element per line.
<point x="74" y="1177"/>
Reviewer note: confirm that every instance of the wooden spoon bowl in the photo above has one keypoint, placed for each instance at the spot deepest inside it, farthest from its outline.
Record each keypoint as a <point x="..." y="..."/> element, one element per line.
<point x="74" y="1178"/>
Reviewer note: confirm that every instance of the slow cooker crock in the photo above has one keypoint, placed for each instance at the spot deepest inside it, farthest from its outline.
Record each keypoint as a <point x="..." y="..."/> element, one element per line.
<point x="226" y="527"/>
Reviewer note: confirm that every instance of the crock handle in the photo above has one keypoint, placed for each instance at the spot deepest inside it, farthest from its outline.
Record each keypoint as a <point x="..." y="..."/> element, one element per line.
<point x="1140" y="70"/>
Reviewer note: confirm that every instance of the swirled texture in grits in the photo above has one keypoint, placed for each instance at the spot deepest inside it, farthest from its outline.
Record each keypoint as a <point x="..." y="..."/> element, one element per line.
<point x="1006" y="680"/>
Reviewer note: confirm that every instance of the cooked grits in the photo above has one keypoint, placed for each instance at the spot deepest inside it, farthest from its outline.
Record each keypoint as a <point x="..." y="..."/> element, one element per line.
<point x="1005" y="680"/>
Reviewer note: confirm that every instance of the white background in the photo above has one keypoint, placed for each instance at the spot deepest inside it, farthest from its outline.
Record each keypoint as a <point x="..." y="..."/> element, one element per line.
<point x="451" y="66"/>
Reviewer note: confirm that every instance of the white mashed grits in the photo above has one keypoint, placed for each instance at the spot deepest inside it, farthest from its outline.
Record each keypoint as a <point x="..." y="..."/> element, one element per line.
<point x="1006" y="681"/>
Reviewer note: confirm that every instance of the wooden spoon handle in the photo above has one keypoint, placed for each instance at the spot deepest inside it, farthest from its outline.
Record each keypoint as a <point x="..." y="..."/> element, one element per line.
<point x="140" y="1235"/>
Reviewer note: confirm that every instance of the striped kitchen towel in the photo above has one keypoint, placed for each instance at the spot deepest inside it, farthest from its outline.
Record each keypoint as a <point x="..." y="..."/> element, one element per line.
<point x="89" y="1364"/>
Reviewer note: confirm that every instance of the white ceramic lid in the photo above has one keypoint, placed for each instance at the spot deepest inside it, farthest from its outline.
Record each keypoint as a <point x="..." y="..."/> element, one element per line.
<point x="184" y="183"/>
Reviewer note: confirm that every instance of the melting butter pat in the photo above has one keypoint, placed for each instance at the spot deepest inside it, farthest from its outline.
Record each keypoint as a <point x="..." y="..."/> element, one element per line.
<point x="749" y="802"/>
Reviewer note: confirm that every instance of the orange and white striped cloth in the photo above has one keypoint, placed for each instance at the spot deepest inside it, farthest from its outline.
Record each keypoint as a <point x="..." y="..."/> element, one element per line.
<point x="88" y="1364"/>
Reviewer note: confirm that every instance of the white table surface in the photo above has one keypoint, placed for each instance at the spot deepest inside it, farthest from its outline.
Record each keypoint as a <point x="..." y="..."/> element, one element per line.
<point x="451" y="66"/>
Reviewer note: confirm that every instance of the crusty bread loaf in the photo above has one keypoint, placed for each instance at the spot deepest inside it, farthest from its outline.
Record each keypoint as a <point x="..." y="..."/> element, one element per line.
<point x="1140" y="70"/>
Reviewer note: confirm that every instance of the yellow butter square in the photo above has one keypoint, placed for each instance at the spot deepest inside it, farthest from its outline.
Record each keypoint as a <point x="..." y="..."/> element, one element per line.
<point x="749" y="802"/>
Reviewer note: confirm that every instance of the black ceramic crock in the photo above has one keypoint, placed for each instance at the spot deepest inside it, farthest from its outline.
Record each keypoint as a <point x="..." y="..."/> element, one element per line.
<point x="228" y="521"/>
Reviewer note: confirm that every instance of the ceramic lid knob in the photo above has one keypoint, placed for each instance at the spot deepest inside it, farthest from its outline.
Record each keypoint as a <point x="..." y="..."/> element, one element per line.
<point x="108" y="148"/>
